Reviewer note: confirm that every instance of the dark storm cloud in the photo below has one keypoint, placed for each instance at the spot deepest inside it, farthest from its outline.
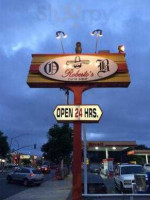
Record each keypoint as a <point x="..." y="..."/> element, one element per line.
<point x="29" y="27"/>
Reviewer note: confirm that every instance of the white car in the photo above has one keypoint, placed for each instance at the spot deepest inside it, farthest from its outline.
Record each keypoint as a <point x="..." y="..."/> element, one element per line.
<point x="124" y="176"/>
<point x="147" y="167"/>
<point x="25" y="175"/>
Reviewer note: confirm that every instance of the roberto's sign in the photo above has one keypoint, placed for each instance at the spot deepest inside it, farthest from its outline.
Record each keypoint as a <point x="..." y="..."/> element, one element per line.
<point x="77" y="68"/>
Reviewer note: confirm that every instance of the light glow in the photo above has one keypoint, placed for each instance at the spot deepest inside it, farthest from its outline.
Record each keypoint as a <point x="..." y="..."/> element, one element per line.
<point x="65" y="36"/>
<point x="58" y="37"/>
<point x="92" y="33"/>
<point x="100" y="35"/>
<point x="121" y="48"/>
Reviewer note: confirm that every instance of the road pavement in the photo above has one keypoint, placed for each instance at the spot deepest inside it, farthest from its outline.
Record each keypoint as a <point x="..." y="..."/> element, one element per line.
<point x="7" y="190"/>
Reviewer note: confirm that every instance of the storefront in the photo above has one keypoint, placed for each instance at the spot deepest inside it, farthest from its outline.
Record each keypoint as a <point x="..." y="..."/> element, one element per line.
<point x="108" y="153"/>
<point x="106" y="147"/>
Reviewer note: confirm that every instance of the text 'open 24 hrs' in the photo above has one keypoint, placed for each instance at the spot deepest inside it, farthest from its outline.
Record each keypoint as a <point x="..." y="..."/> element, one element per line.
<point x="71" y="113"/>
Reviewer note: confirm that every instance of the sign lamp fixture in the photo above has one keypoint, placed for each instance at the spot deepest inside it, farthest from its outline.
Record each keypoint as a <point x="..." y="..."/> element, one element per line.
<point x="121" y="48"/>
<point x="59" y="35"/>
<point x="98" y="33"/>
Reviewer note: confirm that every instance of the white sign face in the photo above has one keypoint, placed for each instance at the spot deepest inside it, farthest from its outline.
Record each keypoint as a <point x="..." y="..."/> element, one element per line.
<point x="78" y="68"/>
<point x="70" y="113"/>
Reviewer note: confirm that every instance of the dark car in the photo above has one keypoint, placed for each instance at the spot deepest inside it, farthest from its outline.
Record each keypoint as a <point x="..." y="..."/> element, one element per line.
<point x="45" y="169"/>
<point x="95" y="168"/>
<point x="95" y="184"/>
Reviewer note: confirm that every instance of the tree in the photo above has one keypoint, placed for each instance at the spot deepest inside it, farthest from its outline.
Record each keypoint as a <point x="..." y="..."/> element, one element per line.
<point x="141" y="147"/>
<point x="4" y="147"/>
<point x="59" y="145"/>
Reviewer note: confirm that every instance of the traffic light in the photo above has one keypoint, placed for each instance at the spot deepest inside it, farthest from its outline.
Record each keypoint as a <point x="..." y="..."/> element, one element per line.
<point x="34" y="146"/>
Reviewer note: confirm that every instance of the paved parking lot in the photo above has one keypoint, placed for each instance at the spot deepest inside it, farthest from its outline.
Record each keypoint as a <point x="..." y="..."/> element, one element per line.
<point x="109" y="182"/>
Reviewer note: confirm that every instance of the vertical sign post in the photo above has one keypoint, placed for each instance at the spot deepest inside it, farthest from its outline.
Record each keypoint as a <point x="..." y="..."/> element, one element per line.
<point x="77" y="147"/>
<point x="85" y="159"/>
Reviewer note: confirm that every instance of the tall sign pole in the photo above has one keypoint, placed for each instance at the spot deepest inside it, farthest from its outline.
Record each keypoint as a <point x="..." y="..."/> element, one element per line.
<point x="85" y="159"/>
<point x="77" y="148"/>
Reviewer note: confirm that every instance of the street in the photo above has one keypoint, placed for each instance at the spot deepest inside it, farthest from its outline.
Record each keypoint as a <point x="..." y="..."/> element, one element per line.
<point x="7" y="190"/>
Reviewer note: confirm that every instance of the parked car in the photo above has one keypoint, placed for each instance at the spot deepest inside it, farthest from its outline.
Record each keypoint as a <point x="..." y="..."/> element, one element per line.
<point x="147" y="167"/>
<point x="27" y="176"/>
<point x="45" y="169"/>
<point x="10" y="167"/>
<point x="95" y="168"/>
<point x="124" y="176"/>
<point x="95" y="184"/>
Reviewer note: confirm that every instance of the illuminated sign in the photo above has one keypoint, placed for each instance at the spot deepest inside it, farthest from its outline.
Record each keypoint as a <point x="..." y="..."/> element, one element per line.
<point x="34" y="157"/>
<point x="130" y="153"/>
<point x="85" y="113"/>
<point x="78" y="68"/>
<point x="24" y="156"/>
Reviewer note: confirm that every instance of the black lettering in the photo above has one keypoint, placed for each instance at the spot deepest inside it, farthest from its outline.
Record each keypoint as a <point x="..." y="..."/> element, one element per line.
<point x="66" y="112"/>
<point x="94" y="112"/>
<point x="70" y="112"/>
<point x="62" y="112"/>
<point x="103" y="66"/>
<point x="51" y="68"/>
<point x="58" y="112"/>
<point x="86" y="113"/>
<point x="90" y="112"/>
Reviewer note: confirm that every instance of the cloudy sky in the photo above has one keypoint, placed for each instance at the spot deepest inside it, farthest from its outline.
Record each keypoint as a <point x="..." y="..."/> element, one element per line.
<point x="29" y="26"/>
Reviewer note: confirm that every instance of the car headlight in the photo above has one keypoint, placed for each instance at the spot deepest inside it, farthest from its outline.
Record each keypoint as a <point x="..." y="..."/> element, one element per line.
<point x="127" y="182"/>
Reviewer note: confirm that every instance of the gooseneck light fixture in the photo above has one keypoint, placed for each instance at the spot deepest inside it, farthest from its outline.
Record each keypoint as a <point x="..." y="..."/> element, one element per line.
<point x="59" y="35"/>
<point x="98" y="33"/>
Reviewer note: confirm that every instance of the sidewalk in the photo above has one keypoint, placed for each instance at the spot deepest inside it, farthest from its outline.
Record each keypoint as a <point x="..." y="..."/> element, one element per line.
<point x="49" y="190"/>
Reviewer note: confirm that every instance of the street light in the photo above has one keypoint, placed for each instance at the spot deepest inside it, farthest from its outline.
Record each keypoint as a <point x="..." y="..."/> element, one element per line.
<point x="98" y="34"/>
<point x="11" y="139"/>
<point x="59" y="35"/>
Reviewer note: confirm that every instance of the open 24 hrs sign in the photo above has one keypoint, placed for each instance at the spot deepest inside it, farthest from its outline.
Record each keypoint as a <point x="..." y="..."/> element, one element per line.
<point x="71" y="113"/>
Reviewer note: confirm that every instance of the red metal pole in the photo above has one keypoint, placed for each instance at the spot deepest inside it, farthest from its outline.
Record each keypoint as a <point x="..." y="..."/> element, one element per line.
<point x="77" y="148"/>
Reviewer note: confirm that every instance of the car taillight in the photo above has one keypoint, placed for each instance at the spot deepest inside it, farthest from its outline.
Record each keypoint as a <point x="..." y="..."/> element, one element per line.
<point x="31" y="175"/>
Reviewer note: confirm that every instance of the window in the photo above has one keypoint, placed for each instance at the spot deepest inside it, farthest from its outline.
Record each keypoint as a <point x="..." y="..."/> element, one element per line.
<point x="18" y="170"/>
<point x="25" y="170"/>
<point x="36" y="171"/>
<point x="132" y="170"/>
